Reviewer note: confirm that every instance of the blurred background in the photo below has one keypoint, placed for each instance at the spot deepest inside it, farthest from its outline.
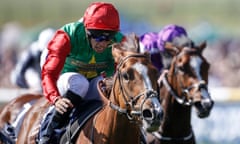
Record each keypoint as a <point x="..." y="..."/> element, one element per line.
<point x="215" y="21"/>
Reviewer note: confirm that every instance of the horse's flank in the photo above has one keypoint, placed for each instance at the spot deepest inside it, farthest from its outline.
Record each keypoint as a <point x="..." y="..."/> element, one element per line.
<point x="10" y="111"/>
<point x="31" y="124"/>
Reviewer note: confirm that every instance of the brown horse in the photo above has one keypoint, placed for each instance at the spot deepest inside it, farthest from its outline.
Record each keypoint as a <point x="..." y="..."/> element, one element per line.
<point x="31" y="123"/>
<point x="183" y="86"/>
<point x="133" y="104"/>
<point x="12" y="114"/>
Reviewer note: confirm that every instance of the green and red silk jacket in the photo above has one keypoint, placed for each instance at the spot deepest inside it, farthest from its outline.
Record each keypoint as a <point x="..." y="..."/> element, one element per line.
<point x="70" y="51"/>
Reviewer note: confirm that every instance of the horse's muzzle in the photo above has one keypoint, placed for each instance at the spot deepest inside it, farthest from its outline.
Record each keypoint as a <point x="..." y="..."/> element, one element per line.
<point x="152" y="116"/>
<point x="204" y="107"/>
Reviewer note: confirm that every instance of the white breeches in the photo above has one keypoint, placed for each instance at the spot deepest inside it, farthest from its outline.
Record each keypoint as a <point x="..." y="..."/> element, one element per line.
<point x="79" y="85"/>
<point x="75" y="82"/>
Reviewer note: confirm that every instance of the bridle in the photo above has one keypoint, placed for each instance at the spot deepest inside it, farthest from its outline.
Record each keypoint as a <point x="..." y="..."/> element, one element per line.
<point x="184" y="90"/>
<point x="130" y="102"/>
<point x="182" y="101"/>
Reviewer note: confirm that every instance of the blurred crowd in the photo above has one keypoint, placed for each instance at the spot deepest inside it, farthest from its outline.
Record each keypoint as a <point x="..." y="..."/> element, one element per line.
<point x="225" y="65"/>
<point x="222" y="53"/>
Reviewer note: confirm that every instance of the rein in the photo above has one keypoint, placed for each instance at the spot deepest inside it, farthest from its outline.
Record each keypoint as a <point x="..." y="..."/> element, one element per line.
<point x="182" y="101"/>
<point x="172" y="92"/>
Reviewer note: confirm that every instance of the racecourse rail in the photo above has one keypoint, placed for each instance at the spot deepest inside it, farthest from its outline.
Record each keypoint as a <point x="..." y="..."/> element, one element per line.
<point x="219" y="94"/>
<point x="221" y="127"/>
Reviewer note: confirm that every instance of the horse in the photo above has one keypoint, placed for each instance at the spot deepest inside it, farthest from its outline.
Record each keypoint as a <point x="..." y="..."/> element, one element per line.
<point x="131" y="106"/>
<point x="12" y="113"/>
<point x="182" y="87"/>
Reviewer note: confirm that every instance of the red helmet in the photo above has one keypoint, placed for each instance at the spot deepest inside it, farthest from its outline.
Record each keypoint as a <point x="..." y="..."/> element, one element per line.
<point x="101" y="16"/>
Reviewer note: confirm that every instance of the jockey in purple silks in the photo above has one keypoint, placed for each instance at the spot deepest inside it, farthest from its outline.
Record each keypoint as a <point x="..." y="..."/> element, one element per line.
<point x="154" y="42"/>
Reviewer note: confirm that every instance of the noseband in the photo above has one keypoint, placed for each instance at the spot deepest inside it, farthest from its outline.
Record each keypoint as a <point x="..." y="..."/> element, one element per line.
<point x="130" y="101"/>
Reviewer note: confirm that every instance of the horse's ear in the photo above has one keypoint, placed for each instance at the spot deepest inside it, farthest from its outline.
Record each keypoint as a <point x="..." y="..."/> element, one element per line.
<point x="148" y="55"/>
<point x="137" y="43"/>
<point x="131" y="43"/>
<point x="203" y="45"/>
<point x="169" y="47"/>
<point x="117" y="52"/>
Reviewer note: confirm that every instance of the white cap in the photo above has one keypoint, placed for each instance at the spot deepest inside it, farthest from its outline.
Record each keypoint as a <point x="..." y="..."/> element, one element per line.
<point x="44" y="37"/>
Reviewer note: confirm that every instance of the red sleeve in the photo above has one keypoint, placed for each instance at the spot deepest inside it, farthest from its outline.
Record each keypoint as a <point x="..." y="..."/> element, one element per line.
<point x="58" y="49"/>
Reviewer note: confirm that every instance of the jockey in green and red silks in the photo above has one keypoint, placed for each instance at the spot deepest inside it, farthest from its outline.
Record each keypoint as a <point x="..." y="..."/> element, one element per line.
<point x="72" y="52"/>
<point x="74" y="60"/>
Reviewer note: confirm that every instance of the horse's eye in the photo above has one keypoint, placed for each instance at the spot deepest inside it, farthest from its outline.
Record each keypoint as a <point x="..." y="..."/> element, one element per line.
<point x="125" y="76"/>
<point x="181" y="68"/>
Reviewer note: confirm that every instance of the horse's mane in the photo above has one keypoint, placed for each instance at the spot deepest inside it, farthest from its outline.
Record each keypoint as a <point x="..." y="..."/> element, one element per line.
<point x="131" y="43"/>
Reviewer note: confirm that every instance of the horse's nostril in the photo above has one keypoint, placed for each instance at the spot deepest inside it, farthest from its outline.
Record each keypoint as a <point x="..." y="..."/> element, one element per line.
<point x="208" y="104"/>
<point x="147" y="114"/>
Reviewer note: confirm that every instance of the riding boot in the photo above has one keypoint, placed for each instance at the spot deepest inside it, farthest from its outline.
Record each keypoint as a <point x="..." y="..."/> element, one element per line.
<point x="59" y="120"/>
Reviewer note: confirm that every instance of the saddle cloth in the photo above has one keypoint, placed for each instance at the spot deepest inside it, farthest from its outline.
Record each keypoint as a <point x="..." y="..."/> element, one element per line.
<point x="78" y="118"/>
<point x="82" y="114"/>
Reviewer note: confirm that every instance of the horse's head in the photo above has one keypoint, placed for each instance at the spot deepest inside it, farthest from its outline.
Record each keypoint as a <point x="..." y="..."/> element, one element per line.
<point x="189" y="76"/>
<point x="135" y="89"/>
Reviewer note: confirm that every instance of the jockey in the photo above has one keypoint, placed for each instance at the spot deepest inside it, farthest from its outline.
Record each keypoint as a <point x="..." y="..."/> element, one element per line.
<point x="27" y="73"/>
<point x="77" y="55"/>
<point x="149" y="43"/>
<point x="154" y="42"/>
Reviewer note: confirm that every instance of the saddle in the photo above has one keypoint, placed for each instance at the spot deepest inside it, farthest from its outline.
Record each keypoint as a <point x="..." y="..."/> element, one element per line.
<point x="81" y="117"/>
<point x="91" y="108"/>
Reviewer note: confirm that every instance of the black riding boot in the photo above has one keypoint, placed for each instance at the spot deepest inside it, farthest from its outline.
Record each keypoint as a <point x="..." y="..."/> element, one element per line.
<point x="59" y="120"/>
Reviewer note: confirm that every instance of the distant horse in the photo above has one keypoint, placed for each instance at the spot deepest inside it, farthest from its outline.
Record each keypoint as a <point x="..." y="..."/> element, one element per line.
<point x="132" y="104"/>
<point x="184" y="86"/>
<point x="12" y="114"/>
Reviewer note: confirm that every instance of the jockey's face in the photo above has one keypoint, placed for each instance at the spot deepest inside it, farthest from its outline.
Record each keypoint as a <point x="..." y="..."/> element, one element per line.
<point x="99" y="46"/>
<point x="100" y="39"/>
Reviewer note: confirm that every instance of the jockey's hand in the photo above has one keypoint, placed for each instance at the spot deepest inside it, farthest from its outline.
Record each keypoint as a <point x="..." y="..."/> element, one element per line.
<point x="63" y="104"/>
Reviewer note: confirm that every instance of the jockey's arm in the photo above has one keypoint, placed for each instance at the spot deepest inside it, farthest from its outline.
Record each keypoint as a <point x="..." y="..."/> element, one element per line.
<point x="58" y="49"/>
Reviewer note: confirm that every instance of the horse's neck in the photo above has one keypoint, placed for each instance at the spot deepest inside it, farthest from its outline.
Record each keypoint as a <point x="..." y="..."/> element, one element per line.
<point x="176" y="115"/>
<point x="116" y="127"/>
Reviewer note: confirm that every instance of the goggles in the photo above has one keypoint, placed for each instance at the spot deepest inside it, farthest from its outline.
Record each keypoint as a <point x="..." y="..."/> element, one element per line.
<point x="101" y="36"/>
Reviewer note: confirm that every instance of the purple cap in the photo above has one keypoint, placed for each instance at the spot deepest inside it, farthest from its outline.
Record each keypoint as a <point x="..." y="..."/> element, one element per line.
<point x="168" y="33"/>
<point x="149" y="41"/>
